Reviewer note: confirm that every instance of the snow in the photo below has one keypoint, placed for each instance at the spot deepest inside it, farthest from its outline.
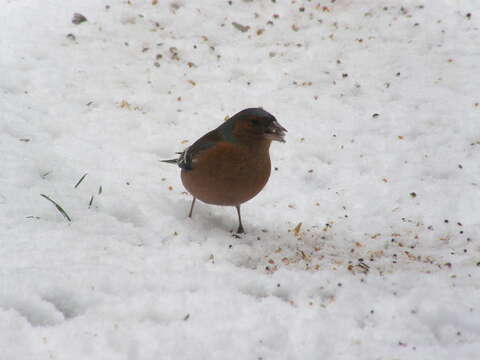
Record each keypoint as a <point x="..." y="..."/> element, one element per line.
<point x="364" y="244"/>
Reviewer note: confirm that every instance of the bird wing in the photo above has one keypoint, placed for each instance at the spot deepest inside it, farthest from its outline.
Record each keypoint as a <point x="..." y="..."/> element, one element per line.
<point x="187" y="157"/>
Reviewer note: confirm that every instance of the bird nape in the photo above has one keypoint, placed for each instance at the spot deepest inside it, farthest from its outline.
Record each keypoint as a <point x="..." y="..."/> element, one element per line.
<point x="231" y="164"/>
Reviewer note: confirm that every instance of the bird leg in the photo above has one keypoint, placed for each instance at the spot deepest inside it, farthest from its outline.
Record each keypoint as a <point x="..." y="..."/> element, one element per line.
<point x="240" y="229"/>
<point x="191" y="208"/>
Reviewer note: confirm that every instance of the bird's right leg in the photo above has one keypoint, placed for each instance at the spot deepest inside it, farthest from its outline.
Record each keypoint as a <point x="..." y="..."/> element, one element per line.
<point x="191" y="208"/>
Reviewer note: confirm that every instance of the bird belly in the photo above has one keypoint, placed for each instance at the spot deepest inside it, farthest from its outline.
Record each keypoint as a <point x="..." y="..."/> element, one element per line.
<point x="226" y="178"/>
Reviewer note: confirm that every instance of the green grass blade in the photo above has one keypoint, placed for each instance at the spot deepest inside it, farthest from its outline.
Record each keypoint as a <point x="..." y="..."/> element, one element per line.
<point x="59" y="208"/>
<point x="79" y="181"/>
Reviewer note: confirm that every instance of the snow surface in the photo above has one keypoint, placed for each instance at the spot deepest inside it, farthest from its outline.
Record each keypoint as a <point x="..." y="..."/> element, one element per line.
<point x="381" y="100"/>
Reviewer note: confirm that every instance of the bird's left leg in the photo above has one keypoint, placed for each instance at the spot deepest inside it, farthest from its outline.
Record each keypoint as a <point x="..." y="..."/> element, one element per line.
<point x="240" y="229"/>
<point x="191" y="208"/>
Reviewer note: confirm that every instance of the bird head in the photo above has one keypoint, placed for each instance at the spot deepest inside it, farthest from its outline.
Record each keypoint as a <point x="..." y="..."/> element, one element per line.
<point x="256" y="124"/>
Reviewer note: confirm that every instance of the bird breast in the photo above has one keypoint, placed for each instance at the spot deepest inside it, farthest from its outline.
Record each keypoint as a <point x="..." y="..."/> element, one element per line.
<point x="228" y="174"/>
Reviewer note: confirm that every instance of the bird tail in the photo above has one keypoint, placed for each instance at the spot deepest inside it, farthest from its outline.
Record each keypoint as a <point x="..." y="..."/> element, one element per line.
<point x="171" y="161"/>
<point x="184" y="160"/>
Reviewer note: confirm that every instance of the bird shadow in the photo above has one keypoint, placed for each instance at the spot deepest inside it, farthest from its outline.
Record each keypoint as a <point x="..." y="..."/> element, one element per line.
<point x="213" y="218"/>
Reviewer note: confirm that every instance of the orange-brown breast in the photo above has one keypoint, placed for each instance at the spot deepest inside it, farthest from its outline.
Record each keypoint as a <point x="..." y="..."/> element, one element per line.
<point x="228" y="174"/>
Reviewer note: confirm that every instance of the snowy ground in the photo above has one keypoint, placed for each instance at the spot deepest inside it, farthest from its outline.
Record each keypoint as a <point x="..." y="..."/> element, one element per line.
<point x="365" y="242"/>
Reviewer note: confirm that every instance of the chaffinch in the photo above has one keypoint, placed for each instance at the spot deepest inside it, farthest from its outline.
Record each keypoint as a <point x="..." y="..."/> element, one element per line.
<point x="231" y="164"/>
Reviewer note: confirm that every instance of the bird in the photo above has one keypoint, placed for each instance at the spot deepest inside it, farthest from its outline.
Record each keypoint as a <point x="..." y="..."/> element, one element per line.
<point x="230" y="164"/>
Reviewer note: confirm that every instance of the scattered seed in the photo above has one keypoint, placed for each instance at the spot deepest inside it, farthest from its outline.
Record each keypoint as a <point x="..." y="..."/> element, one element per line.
<point x="240" y="27"/>
<point x="78" y="18"/>
<point x="297" y="228"/>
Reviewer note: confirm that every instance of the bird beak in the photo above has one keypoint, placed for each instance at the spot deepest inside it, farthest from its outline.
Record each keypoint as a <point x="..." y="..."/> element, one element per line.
<point x="275" y="132"/>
